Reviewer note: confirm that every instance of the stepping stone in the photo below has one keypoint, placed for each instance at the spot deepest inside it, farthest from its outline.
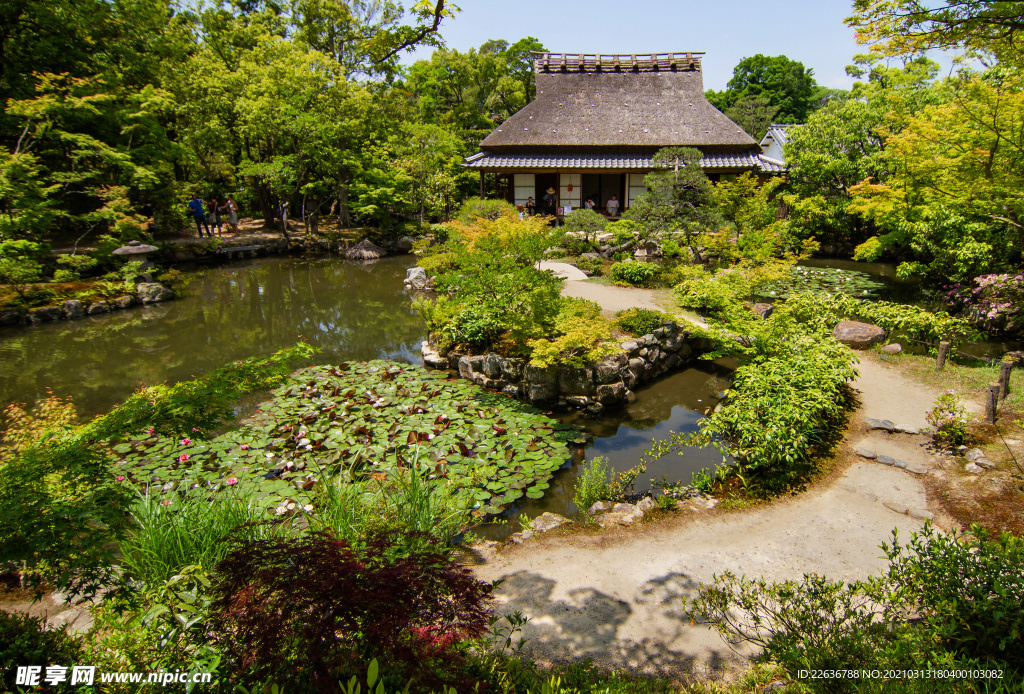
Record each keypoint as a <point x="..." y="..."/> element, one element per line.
<point x="921" y="514"/>
<point x="886" y="459"/>
<point x="865" y="453"/>
<point x="901" y="464"/>
<point x="973" y="454"/>
<point x="913" y="431"/>
<point x="917" y="469"/>
<point x="898" y="508"/>
<point x="883" y="424"/>
<point x="985" y="463"/>
<point x="973" y="469"/>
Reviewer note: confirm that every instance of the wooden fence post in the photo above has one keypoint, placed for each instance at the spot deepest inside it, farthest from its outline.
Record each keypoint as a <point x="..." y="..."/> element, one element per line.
<point x="1005" y="370"/>
<point x="992" y="403"/>
<point x="940" y="360"/>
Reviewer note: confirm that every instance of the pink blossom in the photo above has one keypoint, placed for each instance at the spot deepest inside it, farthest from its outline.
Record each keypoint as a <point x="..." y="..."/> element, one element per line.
<point x="195" y="428"/>
<point x="185" y="442"/>
<point x="166" y="502"/>
<point x="245" y="446"/>
<point x="183" y="457"/>
<point x="231" y="480"/>
<point x="120" y="478"/>
<point x="150" y="430"/>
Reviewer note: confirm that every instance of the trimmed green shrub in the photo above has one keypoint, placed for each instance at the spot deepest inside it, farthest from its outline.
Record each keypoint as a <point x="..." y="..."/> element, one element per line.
<point x="640" y="321"/>
<point x="634" y="273"/>
<point x="594" y="266"/>
<point x="475" y="208"/>
<point x="584" y="337"/>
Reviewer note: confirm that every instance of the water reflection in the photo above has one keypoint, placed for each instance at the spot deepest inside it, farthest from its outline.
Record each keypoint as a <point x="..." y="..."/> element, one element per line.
<point x="347" y="310"/>
<point x="673" y="404"/>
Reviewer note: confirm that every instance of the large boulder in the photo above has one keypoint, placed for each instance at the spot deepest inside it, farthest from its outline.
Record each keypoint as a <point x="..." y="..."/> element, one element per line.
<point x="11" y="317"/>
<point x="576" y="381"/>
<point x="416" y="278"/>
<point x="46" y="314"/>
<point x="404" y="244"/>
<point x="858" y="335"/>
<point x="73" y="309"/>
<point x="152" y="292"/>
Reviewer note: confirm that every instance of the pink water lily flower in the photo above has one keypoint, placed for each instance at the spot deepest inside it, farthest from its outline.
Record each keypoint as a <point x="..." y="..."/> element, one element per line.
<point x="120" y="478"/>
<point x="150" y="430"/>
<point x="185" y="442"/>
<point x="231" y="480"/>
<point x="245" y="446"/>
<point x="183" y="457"/>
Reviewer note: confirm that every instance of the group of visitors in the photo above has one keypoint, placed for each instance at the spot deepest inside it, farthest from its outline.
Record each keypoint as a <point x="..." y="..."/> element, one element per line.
<point x="208" y="212"/>
<point x="550" y="200"/>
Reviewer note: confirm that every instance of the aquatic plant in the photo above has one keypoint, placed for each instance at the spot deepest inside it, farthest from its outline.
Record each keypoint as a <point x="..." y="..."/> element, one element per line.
<point x="360" y="419"/>
<point x="821" y="280"/>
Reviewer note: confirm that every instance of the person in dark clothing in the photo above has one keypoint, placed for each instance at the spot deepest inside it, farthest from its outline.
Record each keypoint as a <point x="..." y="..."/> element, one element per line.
<point x="531" y="207"/>
<point x="549" y="201"/>
<point x="213" y="214"/>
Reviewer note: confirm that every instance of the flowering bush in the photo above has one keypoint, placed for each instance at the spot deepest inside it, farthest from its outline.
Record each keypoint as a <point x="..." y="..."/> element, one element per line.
<point x="995" y="296"/>
<point x="949" y="419"/>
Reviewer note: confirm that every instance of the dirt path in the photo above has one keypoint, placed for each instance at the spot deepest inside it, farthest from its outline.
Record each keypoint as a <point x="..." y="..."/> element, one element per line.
<point x="613" y="299"/>
<point x="617" y="596"/>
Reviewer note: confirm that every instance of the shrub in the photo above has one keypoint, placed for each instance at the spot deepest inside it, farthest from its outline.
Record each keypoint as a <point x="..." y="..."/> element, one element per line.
<point x="595" y="266"/>
<point x="25" y="640"/>
<point x="633" y="273"/>
<point x="594" y="483"/>
<point x="948" y="420"/>
<point x="625" y="230"/>
<point x="640" y="321"/>
<point x="310" y="609"/>
<point x="671" y="249"/>
<point x="75" y="264"/>
<point x="576" y="245"/>
<point x="823" y="311"/>
<point x="708" y="295"/>
<point x="586" y="221"/>
<point x="952" y="602"/>
<point x="475" y="209"/>
<point x="583" y="337"/>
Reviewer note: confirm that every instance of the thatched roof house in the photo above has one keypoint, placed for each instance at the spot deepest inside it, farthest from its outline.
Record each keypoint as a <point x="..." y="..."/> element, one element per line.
<point x="596" y="124"/>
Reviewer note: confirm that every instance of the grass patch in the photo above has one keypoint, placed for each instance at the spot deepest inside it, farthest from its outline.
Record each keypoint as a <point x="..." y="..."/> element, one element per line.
<point x="968" y="377"/>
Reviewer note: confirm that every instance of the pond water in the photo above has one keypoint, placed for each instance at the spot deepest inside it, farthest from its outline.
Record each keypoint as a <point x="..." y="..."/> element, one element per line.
<point x="350" y="311"/>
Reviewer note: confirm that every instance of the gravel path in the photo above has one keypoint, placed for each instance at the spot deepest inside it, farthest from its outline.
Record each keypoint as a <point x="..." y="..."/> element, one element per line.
<point x="617" y="596"/>
<point x="613" y="299"/>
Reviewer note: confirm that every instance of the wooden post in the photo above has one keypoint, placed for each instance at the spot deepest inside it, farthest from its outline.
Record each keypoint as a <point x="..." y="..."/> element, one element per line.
<point x="1005" y="370"/>
<point x="481" y="185"/>
<point x="940" y="361"/>
<point x="992" y="403"/>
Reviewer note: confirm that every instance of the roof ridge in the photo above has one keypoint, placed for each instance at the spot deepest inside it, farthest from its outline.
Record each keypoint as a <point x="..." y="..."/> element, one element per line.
<point x="673" y="61"/>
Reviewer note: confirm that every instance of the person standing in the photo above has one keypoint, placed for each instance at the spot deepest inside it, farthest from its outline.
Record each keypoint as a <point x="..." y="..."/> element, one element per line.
<point x="613" y="207"/>
<point x="213" y="213"/>
<point x="232" y="210"/>
<point x="195" y="208"/>
<point x="282" y="214"/>
<point x="549" y="201"/>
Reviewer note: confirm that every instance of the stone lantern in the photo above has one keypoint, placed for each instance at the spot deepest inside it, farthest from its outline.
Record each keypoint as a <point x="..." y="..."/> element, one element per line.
<point x="136" y="251"/>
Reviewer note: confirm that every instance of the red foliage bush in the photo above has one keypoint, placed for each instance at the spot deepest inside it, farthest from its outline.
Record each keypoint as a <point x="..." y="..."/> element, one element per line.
<point x="317" y="609"/>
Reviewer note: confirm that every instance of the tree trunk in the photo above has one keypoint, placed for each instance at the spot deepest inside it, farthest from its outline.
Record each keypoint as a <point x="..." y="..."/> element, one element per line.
<point x="344" y="219"/>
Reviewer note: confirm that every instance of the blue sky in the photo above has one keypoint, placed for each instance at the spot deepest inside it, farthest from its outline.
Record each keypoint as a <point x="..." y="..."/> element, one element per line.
<point x="726" y="30"/>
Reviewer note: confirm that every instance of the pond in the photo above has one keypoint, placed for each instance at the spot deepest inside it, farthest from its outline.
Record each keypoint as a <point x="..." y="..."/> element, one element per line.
<point x="350" y="311"/>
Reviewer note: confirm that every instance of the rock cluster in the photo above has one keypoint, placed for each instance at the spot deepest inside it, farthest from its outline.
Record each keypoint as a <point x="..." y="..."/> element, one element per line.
<point x="545" y="522"/>
<point x="593" y="387"/>
<point x="145" y="293"/>
<point x="609" y="514"/>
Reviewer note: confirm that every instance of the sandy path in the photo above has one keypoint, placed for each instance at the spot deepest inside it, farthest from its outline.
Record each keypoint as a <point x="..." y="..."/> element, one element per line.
<point x="613" y="299"/>
<point x="617" y="596"/>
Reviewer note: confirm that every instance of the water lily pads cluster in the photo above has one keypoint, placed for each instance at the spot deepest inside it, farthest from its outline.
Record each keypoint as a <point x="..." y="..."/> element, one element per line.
<point x="821" y="280"/>
<point x="365" y="419"/>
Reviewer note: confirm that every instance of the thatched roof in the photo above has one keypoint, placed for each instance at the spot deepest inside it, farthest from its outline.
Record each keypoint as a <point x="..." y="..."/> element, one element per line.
<point x="365" y="250"/>
<point x="618" y="101"/>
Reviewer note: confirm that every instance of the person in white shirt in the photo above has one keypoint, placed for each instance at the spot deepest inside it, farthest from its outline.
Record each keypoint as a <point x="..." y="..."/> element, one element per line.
<point x="613" y="207"/>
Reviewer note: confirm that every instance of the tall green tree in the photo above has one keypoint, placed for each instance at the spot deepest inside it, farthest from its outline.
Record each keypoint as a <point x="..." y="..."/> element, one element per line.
<point x="679" y="196"/>
<point x="787" y="85"/>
